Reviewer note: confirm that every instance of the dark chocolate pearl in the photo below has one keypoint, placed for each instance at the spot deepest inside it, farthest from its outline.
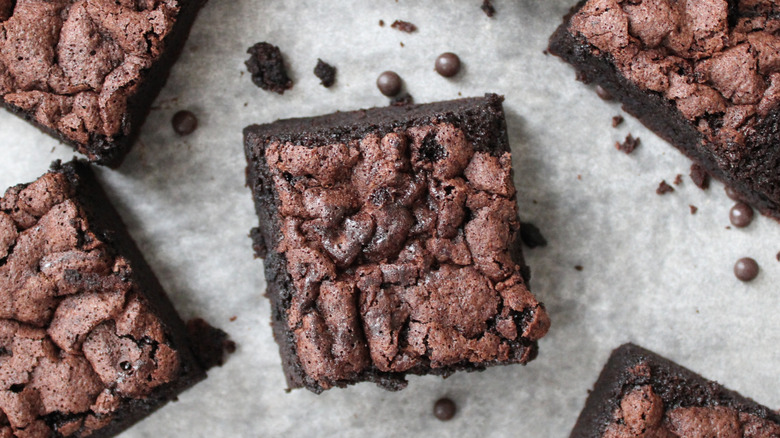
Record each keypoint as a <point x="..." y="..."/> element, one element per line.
<point x="603" y="94"/>
<point x="741" y="215"/>
<point x="389" y="83"/>
<point x="448" y="64"/>
<point x="444" y="409"/>
<point x="125" y="366"/>
<point x="746" y="269"/>
<point x="184" y="122"/>
<point x="731" y="193"/>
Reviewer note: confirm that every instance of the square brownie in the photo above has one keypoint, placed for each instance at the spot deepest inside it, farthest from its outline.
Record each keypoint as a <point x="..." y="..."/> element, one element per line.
<point x="89" y="343"/>
<point x="704" y="75"/>
<point x="87" y="71"/>
<point x="391" y="243"/>
<point x="640" y="394"/>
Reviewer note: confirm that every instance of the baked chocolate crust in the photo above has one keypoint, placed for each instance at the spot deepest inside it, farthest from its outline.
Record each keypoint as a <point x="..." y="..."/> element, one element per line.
<point x="94" y="307"/>
<point x="696" y="98"/>
<point x="475" y="124"/>
<point x="87" y="73"/>
<point x="631" y="368"/>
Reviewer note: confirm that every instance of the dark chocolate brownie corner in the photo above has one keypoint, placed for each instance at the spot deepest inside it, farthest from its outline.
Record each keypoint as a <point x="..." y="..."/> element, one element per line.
<point x="391" y="243"/>
<point x="642" y="394"/>
<point x="89" y="343"/>
<point x="87" y="72"/>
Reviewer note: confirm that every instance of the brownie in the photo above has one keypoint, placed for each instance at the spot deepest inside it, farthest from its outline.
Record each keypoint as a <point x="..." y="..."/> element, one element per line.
<point x="89" y="343"/>
<point x="87" y="71"/>
<point x="640" y="394"/>
<point x="704" y="75"/>
<point x="391" y="243"/>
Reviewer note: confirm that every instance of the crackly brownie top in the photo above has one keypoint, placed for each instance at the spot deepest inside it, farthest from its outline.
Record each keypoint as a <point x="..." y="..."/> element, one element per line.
<point x="76" y="337"/>
<point x="74" y="63"/>
<point x="641" y="413"/>
<point x="720" y="67"/>
<point x="399" y="250"/>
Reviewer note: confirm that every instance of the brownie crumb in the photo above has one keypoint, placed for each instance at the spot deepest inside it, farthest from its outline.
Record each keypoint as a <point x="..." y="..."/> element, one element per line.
<point x="381" y="23"/>
<point x="404" y="26"/>
<point x="617" y="121"/>
<point x="677" y="180"/>
<point x="603" y="93"/>
<point x="267" y="68"/>
<point x="664" y="188"/>
<point x="700" y="177"/>
<point x="579" y="267"/>
<point x="444" y="409"/>
<point x="326" y="73"/>
<point x="746" y="269"/>
<point x="741" y="215"/>
<point x="694" y="209"/>
<point x="209" y="344"/>
<point x="778" y="256"/>
<point x="488" y="9"/>
<point x="531" y="236"/>
<point x="628" y="145"/>
<point x="404" y="99"/>
<point x="184" y="122"/>
<point x="233" y="318"/>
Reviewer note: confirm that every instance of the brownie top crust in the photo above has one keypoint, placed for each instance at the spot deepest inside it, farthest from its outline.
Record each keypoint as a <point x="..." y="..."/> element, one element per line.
<point x="399" y="244"/>
<point x="77" y="337"/>
<point x="718" y="61"/>
<point x="73" y="64"/>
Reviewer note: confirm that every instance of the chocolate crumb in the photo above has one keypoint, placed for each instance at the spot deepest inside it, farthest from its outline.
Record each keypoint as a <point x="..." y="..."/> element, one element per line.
<point x="404" y="26"/>
<point x="325" y="72"/>
<point x="700" y="177"/>
<point x="694" y="209"/>
<point x="603" y="93"/>
<point x="531" y="236"/>
<point x="209" y="344"/>
<point x="746" y="269"/>
<point x="381" y="23"/>
<point x="778" y="256"/>
<point x="741" y="215"/>
<point x="677" y="180"/>
<point x="488" y="9"/>
<point x="579" y="267"/>
<point x="617" y="121"/>
<point x="267" y="68"/>
<point x="664" y="188"/>
<point x="579" y="177"/>
<point x="628" y="145"/>
<point x="404" y="99"/>
<point x="444" y="409"/>
<point x="184" y="122"/>
<point x="233" y="318"/>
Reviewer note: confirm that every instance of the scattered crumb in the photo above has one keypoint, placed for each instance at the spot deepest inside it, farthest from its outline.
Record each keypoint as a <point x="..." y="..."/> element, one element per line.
<point x="531" y="236"/>
<point x="694" y="209"/>
<point x="628" y="145"/>
<point x="402" y="44"/>
<point x="617" y="121"/>
<point x="579" y="177"/>
<point x="778" y="257"/>
<point x="460" y="94"/>
<point x="210" y="344"/>
<point x="664" y="188"/>
<point x="677" y="180"/>
<point x="267" y="68"/>
<point x="545" y="52"/>
<point x="728" y="227"/>
<point x="233" y="318"/>
<point x="404" y="26"/>
<point x="52" y="149"/>
<point x="381" y="23"/>
<point x="401" y="100"/>
<point x="325" y="72"/>
<point x="579" y="268"/>
<point x="700" y="176"/>
<point x="488" y="9"/>
<point x="246" y="104"/>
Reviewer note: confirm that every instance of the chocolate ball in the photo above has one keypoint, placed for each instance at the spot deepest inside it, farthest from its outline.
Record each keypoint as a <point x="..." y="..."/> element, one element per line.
<point x="448" y="64"/>
<point x="746" y="269"/>
<point x="184" y="122"/>
<point x="389" y="83"/>
<point x="444" y="409"/>
<point x="741" y="215"/>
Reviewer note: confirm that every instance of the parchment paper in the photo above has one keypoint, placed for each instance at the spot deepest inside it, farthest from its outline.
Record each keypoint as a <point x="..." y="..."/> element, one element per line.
<point x="652" y="273"/>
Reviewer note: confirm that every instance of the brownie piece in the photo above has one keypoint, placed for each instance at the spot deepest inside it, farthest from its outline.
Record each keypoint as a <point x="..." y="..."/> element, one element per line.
<point x="704" y="75"/>
<point x="87" y="71"/>
<point x="89" y="343"/>
<point x="391" y="243"/>
<point x="640" y="394"/>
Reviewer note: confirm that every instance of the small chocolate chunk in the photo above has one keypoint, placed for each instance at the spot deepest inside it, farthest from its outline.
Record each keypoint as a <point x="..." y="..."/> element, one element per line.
<point x="444" y="409"/>
<point x="326" y="73"/>
<point x="603" y="93"/>
<point x="677" y="180"/>
<point x="184" y="122"/>
<point x="267" y="68"/>
<point x="664" y="188"/>
<point x="733" y="194"/>
<point x="389" y="83"/>
<point x="617" y="121"/>
<point x="531" y="236"/>
<point x="741" y="215"/>
<point x="403" y="26"/>
<point x="628" y="145"/>
<point x="700" y="177"/>
<point x="746" y="269"/>
<point x="488" y="9"/>
<point x="447" y="64"/>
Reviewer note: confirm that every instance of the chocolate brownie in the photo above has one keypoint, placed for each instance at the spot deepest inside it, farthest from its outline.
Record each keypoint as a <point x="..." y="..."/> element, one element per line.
<point x="704" y="75"/>
<point x="89" y="343"/>
<point x="640" y="394"/>
<point x="391" y="243"/>
<point x="87" y="71"/>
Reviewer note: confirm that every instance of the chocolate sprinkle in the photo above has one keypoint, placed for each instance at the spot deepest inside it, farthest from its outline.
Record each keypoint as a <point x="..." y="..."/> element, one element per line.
<point x="444" y="409"/>
<point x="628" y="145"/>
<point x="326" y="73"/>
<point x="531" y="236"/>
<point x="403" y="26"/>
<point x="700" y="177"/>
<point x="389" y="83"/>
<point x="447" y="64"/>
<point x="617" y="121"/>
<point x="664" y="188"/>
<point x="488" y="9"/>
<point x="741" y="215"/>
<point x="184" y="122"/>
<point x="267" y="68"/>
<point x="746" y="269"/>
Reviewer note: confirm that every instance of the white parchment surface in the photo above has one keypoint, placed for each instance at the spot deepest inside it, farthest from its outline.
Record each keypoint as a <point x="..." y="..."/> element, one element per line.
<point x="653" y="273"/>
